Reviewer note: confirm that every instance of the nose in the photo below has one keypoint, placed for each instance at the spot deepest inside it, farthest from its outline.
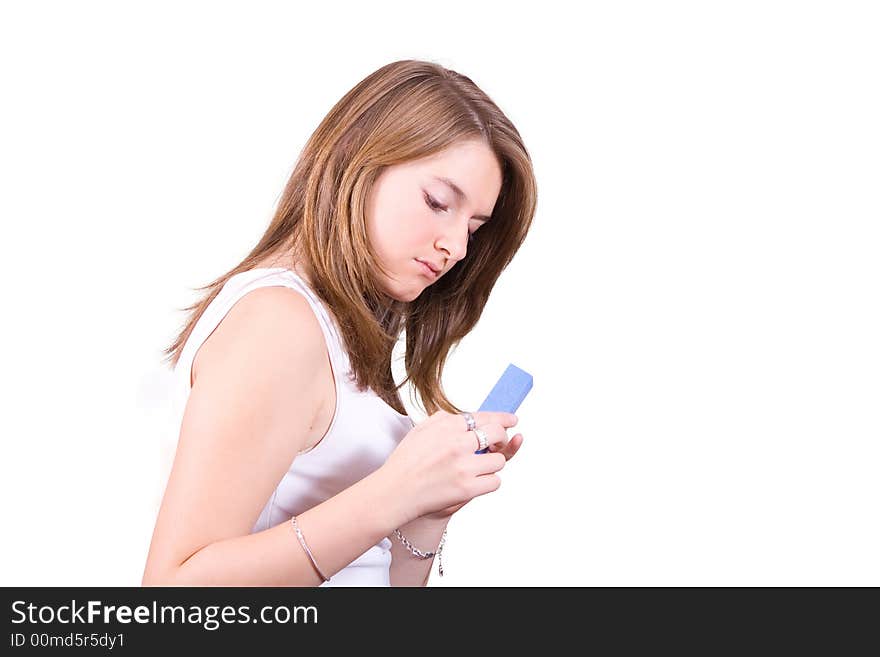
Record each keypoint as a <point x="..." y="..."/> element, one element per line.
<point x="454" y="242"/>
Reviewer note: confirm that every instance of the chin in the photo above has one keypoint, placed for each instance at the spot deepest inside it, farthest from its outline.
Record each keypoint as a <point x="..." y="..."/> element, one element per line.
<point x="404" y="294"/>
<point x="405" y="288"/>
<point x="412" y="296"/>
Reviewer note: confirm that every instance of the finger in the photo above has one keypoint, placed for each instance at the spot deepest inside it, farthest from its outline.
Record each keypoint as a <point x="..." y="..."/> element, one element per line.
<point x="486" y="463"/>
<point x="498" y="440"/>
<point x="513" y="446"/>
<point x="506" y="420"/>
<point x="496" y="436"/>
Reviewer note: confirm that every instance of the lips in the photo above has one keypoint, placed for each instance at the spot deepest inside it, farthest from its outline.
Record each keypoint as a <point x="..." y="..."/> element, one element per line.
<point x="428" y="268"/>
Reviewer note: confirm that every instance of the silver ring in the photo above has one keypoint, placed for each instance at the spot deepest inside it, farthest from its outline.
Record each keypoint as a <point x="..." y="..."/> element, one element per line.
<point x="471" y="423"/>
<point x="483" y="437"/>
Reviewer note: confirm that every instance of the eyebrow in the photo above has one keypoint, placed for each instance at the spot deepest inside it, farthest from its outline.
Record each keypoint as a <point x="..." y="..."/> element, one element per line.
<point x="460" y="194"/>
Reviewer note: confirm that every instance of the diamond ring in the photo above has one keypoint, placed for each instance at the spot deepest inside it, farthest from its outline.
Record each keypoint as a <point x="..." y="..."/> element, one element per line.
<point x="483" y="437"/>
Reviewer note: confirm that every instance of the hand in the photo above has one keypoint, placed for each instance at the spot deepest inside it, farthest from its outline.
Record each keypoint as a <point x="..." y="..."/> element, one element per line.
<point x="508" y="448"/>
<point x="434" y="470"/>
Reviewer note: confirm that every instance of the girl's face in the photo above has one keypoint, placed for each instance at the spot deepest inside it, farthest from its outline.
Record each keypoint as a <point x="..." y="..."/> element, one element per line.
<point x="413" y="215"/>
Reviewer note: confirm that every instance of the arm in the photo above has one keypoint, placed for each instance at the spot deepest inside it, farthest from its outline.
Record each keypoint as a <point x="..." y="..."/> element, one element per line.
<point x="406" y="568"/>
<point x="274" y="557"/>
<point x="250" y="410"/>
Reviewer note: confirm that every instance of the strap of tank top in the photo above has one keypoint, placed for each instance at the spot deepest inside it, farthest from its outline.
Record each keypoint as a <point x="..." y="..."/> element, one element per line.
<point x="326" y="318"/>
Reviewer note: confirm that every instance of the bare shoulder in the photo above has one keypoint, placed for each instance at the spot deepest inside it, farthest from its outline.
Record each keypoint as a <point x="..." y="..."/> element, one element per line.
<point x="270" y="349"/>
<point x="271" y="322"/>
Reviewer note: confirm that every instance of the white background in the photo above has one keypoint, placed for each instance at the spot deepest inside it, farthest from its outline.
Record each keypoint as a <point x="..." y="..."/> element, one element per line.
<point x="697" y="299"/>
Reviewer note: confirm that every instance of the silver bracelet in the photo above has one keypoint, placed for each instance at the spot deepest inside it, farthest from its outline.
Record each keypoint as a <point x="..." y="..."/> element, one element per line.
<point x="306" y="547"/>
<point x="425" y="555"/>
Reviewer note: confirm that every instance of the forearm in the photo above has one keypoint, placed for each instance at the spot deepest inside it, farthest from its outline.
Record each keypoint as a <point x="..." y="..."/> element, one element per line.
<point x="406" y="568"/>
<point x="337" y="531"/>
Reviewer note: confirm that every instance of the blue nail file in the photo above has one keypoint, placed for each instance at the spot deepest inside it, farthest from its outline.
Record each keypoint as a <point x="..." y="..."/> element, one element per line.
<point x="508" y="393"/>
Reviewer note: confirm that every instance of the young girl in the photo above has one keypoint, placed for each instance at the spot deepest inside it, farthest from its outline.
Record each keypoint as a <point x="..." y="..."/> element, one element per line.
<point x="296" y="461"/>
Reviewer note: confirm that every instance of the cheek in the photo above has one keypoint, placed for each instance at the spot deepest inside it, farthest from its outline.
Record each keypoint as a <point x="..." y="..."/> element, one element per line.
<point x="402" y="230"/>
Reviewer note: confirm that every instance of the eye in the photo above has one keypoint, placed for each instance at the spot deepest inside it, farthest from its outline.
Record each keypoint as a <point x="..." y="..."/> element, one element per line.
<point x="437" y="207"/>
<point x="434" y="205"/>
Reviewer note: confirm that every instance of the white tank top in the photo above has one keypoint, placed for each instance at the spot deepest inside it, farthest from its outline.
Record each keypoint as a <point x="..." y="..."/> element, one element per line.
<point x="363" y="433"/>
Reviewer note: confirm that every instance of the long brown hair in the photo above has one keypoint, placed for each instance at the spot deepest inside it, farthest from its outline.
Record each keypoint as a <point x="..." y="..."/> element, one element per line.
<point x="405" y="110"/>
